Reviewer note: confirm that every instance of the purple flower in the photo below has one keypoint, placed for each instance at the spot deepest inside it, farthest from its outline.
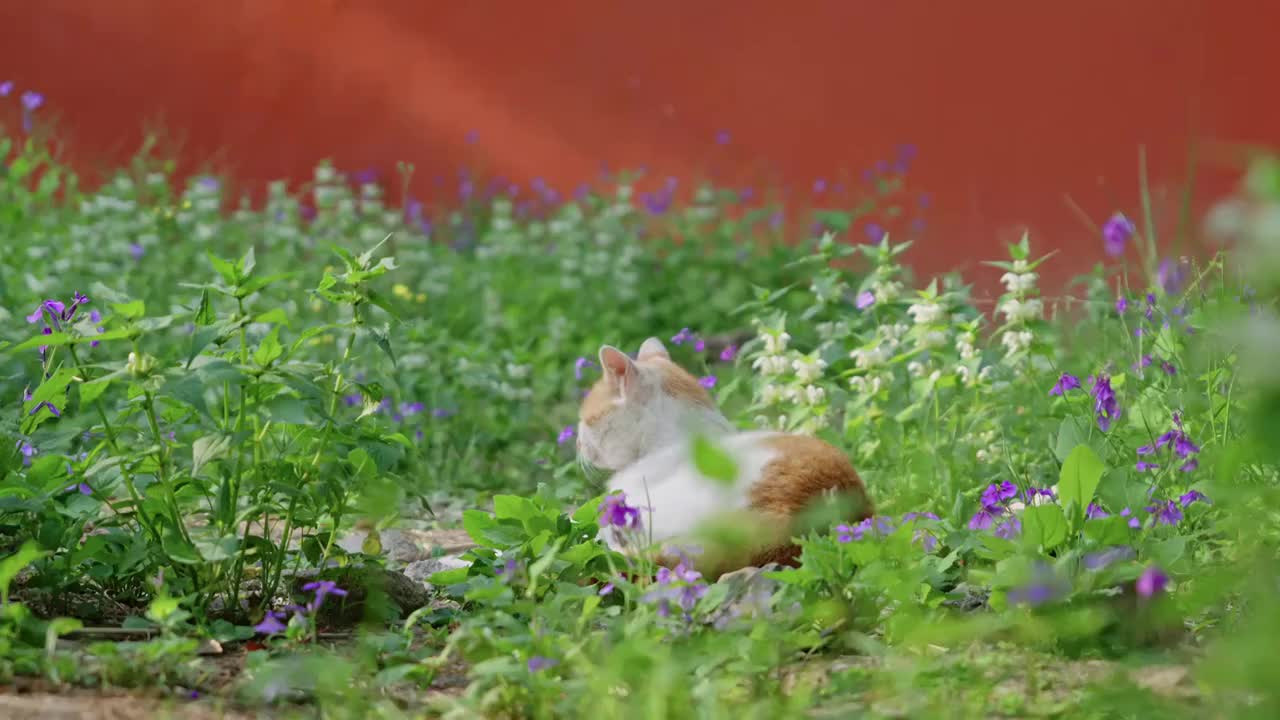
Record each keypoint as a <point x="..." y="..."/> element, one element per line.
<point x="45" y="404"/>
<point x="995" y="494"/>
<point x="1030" y="493"/>
<point x="849" y="533"/>
<point x="606" y="589"/>
<point x="1153" y="580"/>
<point x="1100" y="560"/>
<point x="271" y="624"/>
<point x="1172" y="276"/>
<point x="1122" y="304"/>
<point x="1105" y="405"/>
<point x="819" y="185"/>
<point x="1065" y="382"/>
<point x="1168" y="368"/>
<point x="1189" y="466"/>
<point x="908" y="517"/>
<point x="538" y="663"/>
<point x="1143" y="466"/>
<point x="1009" y="529"/>
<point x="1045" y="587"/>
<point x="1192" y="496"/>
<point x="565" y="435"/>
<point x="83" y="488"/>
<point x="1134" y="522"/>
<point x="983" y="519"/>
<point x="31" y="100"/>
<point x="136" y="251"/>
<point x="700" y="345"/>
<point x="683" y="337"/>
<point x="442" y="413"/>
<point x="874" y="232"/>
<point x="723" y="137"/>
<point x="322" y="589"/>
<point x="6" y="87"/>
<point x="615" y="512"/>
<point x="729" y="353"/>
<point x="865" y="300"/>
<point x="708" y="381"/>
<point x="1116" y="232"/>
<point x="579" y="365"/>
<point x="1166" y="512"/>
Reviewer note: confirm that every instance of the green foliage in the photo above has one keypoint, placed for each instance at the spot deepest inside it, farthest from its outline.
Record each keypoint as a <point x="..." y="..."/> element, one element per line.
<point x="241" y="387"/>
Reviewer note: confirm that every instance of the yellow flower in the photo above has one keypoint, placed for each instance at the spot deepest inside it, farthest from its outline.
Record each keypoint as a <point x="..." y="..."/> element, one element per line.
<point x="422" y="297"/>
<point x="401" y="291"/>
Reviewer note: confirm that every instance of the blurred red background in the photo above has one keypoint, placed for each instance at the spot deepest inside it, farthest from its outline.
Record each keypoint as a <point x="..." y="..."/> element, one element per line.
<point x="1011" y="104"/>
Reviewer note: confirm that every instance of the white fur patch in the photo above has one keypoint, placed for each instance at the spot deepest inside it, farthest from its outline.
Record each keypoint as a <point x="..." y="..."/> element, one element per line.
<point x="675" y="499"/>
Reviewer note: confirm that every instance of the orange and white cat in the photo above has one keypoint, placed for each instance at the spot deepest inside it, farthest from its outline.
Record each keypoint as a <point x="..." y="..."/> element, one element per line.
<point x="638" y="420"/>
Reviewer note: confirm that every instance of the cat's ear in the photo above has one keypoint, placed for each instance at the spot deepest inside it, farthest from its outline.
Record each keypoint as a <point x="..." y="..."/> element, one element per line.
<point x="653" y="348"/>
<point x="619" y="370"/>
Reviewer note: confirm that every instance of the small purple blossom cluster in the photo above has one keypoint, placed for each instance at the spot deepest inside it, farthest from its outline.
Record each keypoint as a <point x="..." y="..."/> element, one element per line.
<point x="616" y="513"/>
<point x="55" y="316"/>
<point x="31" y="101"/>
<point x="997" y="507"/>
<point x="1117" y="231"/>
<point x="1152" y="316"/>
<point x="400" y="412"/>
<point x="882" y="525"/>
<point x="274" y="622"/>
<point x="682" y="587"/>
<point x="1106" y="408"/>
<point x="1180" y="445"/>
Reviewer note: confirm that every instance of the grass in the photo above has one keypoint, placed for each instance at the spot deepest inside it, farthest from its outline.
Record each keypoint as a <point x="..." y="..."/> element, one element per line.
<point x="218" y="460"/>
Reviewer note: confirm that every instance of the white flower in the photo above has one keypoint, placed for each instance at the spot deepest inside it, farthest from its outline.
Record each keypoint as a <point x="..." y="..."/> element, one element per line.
<point x="775" y="344"/>
<point x="770" y="364"/>
<point x="1015" y="341"/>
<point x="916" y="368"/>
<point x="1022" y="310"/>
<point x="1017" y="506"/>
<point x="1019" y="266"/>
<point x="926" y="313"/>
<point x="933" y="339"/>
<point x="985" y="373"/>
<point x="864" y="358"/>
<point x="770" y="394"/>
<point x="886" y="291"/>
<point x="964" y="373"/>
<point x="935" y="375"/>
<point x="983" y="455"/>
<point x="858" y="382"/>
<point x="964" y="346"/>
<point x="808" y="368"/>
<point x="1019" y="282"/>
<point x="814" y="395"/>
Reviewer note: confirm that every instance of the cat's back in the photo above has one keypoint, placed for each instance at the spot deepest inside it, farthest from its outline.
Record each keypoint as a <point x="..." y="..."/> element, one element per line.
<point x="800" y="469"/>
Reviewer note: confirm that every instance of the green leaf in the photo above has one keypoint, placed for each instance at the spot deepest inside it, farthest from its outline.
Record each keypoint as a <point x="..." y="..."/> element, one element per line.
<point x="131" y="310"/>
<point x="1108" y="531"/>
<point x="13" y="564"/>
<point x="1078" y="480"/>
<point x="1071" y="433"/>
<point x="713" y="462"/>
<point x="269" y="349"/>
<point x="445" y="578"/>
<point x="1044" y="525"/>
<point x="225" y="269"/>
<point x="288" y="410"/>
<point x="204" y="314"/>
<point x="206" y="449"/>
<point x="91" y="391"/>
<point x="513" y="507"/>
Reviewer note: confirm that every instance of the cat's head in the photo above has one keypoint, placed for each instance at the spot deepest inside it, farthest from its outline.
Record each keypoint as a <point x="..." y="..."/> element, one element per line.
<point x="638" y="406"/>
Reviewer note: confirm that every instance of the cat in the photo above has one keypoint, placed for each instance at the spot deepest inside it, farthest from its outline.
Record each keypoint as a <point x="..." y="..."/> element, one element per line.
<point x="638" y="420"/>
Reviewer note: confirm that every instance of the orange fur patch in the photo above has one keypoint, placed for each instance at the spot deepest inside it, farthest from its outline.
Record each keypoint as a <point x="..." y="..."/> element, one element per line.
<point x="676" y="382"/>
<point x="679" y="384"/>
<point x="598" y="402"/>
<point x="805" y="469"/>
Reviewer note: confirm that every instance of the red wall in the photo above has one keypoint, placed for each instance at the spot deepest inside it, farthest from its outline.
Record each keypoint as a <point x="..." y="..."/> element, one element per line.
<point x="1012" y="104"/>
